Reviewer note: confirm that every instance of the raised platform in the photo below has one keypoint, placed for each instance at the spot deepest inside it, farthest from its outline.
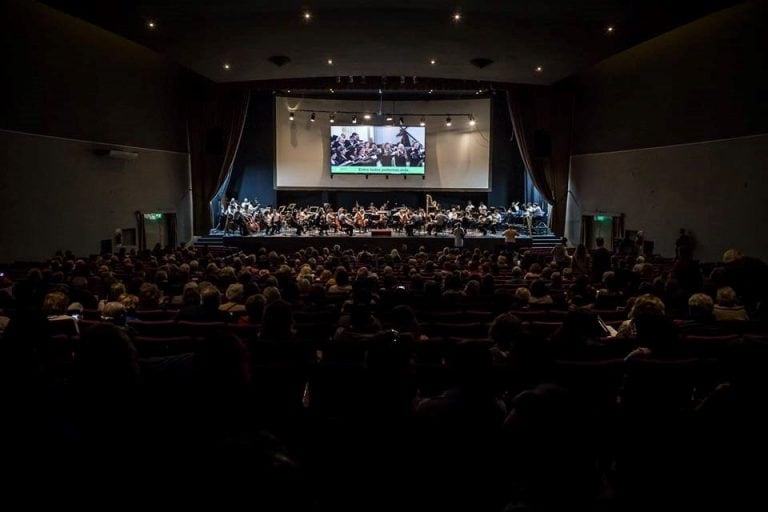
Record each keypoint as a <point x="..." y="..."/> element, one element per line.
<point x="286" y="242"/>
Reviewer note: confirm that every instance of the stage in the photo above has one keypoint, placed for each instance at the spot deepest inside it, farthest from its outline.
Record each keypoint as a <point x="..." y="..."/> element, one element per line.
<point x="290" y="242"/>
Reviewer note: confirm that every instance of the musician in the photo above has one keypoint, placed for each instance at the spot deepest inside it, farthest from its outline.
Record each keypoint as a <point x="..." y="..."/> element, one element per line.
<point x="510" y="239"/>
<point x="345" y="223"/>
<point x="470" y="207"/>
<point x="275" y="223"/>
<point x="360" y="220"/>
<point x="438" y="224"/>
<point x="482" y="209"/>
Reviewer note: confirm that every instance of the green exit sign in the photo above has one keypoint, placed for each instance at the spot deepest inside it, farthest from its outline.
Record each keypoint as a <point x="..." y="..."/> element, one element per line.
<point x="153" y="216"/>
<point x="603" y="218"/>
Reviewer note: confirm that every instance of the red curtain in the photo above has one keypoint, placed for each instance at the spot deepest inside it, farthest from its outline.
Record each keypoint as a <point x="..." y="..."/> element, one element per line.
<point x="547" y="110"/>
<point x="215" y="127"/>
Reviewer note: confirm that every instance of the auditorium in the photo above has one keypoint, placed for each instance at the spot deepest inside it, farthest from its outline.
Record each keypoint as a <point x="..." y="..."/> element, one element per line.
<point x="364" y="255"/>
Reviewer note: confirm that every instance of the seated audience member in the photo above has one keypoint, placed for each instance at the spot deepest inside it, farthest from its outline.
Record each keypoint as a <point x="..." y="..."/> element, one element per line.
<point x="235" y="296"/>
<point x="578" y="336"/>
<point x="79" y="293"/>
<point x="505" y="330"/>
<point x="534" y="272"/>
<point x="657" y="336"/>
<point x="547" y="440"/>
<point x="700" y="319"/>
<point x="644" y="305"/>
<point x="342" y="283"/>
<point x="277" y="322"/>
<point x="254" y="309"/>
<point x="272" y="294"/>
<point x="539" y="293"/>
<point x="114" y="313"/>
<point x="149" y="297"/>
<point x="55" y="310"/>
<point x="726" y="308"/>
<point x="609" y="295"/>
<point x="116" y="290"/>
<point x="404" y="321"/>
<point x="522" y="298"/>
<point x="581" y="262"/>
<point x="208" y="311"/>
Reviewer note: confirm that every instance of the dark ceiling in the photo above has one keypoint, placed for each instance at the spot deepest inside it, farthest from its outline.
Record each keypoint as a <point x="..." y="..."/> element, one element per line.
<point x="389" y="37"/>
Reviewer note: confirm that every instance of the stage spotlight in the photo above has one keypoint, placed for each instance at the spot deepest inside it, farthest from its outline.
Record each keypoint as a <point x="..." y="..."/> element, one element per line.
<point x="291" y="116"/>
<point x="423" y="121"/>
<point x="448" y="121"/>
<point x="312" y="117"/>
<point x="457" y="16"/>
<point x="389" y="118"/>
<point x="354" y="119"/>
<point x="332" y="118"/>
<point x="367" y="116"/>
<point x="401" y="121"/>
<point x="472" y="120"/>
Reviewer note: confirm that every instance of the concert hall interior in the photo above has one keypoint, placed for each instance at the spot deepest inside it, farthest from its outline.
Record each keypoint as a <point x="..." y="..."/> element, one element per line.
<point x="433" y="168"/>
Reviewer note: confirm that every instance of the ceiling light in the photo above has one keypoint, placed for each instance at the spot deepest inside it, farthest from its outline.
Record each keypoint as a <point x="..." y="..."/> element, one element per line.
<point x="430" y="91"/>
<point x="354" y="119"/>
<point x="312" y="117"/>
<point x="332" y="91"/>
<point x="448" y="121"/>
<point x="539" y="69"/>
<point x="291" y="116"/>
<point x="423" y="121"/>
<point x="226" y="66"/>
<point x="330" y="62"/>
<point x="307" y="15"/>
<point x="389" y="117"/>
<point x="151" y="25"/>
<point x="610" y="29"/>
<point x="432" y="61"/>
<point x="366" y="116"/>
<point x="288" y="91"/>
<point x="472" y="121"/>
<point x="456" y="16"/>
<point x="332" y="118"/>
<point x="401" y="121"/>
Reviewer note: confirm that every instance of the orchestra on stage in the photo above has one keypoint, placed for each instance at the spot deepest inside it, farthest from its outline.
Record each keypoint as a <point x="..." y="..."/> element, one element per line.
<point x="246" y="218"/>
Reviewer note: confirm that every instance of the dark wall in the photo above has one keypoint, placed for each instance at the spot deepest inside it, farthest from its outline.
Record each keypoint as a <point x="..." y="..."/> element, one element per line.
<point x="704" y="81"/>
<point x="71" y="79"/>
<point x="253" y="170"/>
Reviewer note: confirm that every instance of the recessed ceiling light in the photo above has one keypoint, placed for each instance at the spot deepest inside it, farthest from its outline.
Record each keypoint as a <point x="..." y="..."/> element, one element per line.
<point x="332" y="91"/>
<point x="472" y="121"/>
<point x="389" y="117"/>
<point x="448" y="121"/>
<point x="539" y="69"/>
<point x="456" y="16"/>
<point x="151" y="24"/>
<point x="330" y="62"/>
<point x="291" y="116"/>
<point x="423" y="121"/>
<point x="226" y="66"/>
<point x="366" y="116"/>
<point x="610" y="29"/>
<point x="432" y="61"/>
<point x="307" y="15"/>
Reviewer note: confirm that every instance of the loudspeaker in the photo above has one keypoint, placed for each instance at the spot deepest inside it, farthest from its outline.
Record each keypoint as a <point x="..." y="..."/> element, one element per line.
<point x="542" y="144"/>
<point x="381" y="232"/>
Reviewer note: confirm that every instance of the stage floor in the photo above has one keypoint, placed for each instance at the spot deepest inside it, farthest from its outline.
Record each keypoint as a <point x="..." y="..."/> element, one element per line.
<point x="290" y="242"/>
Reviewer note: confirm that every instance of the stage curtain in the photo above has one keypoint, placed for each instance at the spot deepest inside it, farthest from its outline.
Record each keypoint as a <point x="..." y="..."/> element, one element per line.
<point x="216" y="121"/>
<point x="547" y="111"/>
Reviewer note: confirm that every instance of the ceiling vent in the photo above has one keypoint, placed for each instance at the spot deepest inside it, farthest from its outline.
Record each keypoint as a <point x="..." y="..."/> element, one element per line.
<point x="279" y="60"/>
<point x="481" y="62"/>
